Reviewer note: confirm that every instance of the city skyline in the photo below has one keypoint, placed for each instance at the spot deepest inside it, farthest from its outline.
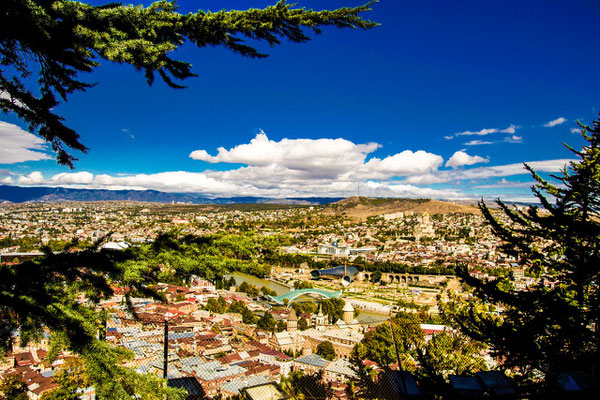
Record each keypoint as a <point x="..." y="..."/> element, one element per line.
<point x="442" y="101"/>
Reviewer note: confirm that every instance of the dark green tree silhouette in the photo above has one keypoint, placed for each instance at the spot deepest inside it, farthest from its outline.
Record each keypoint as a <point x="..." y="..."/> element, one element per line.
<point x="302" y="324"/>
<point x="552" y="327"/>
<point x="45" y="45"/>
<point x="267" y="322"/>
<point x="299" y="386"/>
<point x="326" y="350"/>
<point x="13" y="388"/>
<point x="46" y="293"/>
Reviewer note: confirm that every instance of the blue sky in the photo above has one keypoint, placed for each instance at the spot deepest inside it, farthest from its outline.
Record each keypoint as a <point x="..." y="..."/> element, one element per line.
<point x="443" y="100"/>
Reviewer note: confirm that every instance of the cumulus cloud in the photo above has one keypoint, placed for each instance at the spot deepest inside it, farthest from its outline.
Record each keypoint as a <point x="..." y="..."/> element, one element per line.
<point x="311" y="155"/>
<point x="293" y="159"/>
<point x="76" y="178"/>
<point x="7" y="180"/>
<point x="575" y="130"/>
<point x="555" y="122"/>
<point x="20" y="146"/>
<point x="461" y="158"/>
<point x="34" y="178"/>
<point x="403" y="164"/>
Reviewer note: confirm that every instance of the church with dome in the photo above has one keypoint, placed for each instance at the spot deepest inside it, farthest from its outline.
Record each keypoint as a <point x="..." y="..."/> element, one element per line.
<point x="343" y="334"/>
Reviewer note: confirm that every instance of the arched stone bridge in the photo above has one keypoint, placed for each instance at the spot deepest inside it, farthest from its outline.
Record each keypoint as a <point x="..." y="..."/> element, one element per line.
<point x="406" y="278"/>
<point x="291" y="296"/>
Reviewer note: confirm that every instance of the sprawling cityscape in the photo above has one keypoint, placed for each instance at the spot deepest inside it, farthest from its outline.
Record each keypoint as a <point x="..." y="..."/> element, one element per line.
<point x="403" y="261"/>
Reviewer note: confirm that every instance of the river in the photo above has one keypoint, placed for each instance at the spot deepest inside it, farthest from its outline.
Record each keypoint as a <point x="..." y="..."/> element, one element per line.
<point x="364" y="316"/>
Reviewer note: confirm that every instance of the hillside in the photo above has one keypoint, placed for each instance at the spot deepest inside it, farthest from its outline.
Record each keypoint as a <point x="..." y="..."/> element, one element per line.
<point x="18" y="194"/>
<point x="359" y="208"/>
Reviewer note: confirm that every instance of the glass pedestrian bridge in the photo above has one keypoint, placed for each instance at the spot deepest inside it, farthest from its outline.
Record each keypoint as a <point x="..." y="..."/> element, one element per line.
<point x="291" y="296"/>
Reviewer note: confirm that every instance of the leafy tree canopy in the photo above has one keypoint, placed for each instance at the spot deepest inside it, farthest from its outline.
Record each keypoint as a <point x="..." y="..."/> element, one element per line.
<point x="13" y="388"/>
<point x="45" y="45"/>
<point x="552" y="327"/>
<point x="325" y="349"/>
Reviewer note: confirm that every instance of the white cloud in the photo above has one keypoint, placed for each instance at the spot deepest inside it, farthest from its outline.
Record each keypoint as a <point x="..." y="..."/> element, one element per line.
<point x="304" y="159"/>
<point x="34" y="178"/>
<point x="303" y="168"/>
<point x="575" y="130"/>
<point x="461" y="158"/>
<point x="482" y="132"/>
<point x="278" y="182"/>
<point x="73" y="178"/>
<point x="488" y="172"/>
<point x="513" y="139"/>
<point x="215" y="184"/>
<point x="403" y="164"/>
<point x="477" y="142"/>
<point x="20" y="146"/>
<point x="314" y="156"/>
<point x="403" y="190"/>
<point x="8" y="180"/>
<point x="555" y="122"/>
<point x="511" y="129"/>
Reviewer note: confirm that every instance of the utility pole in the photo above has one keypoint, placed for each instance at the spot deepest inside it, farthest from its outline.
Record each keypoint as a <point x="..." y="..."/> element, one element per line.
<point x="166" y="349"/>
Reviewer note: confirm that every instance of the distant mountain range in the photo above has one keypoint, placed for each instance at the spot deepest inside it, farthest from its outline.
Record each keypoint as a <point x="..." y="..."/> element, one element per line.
<point x="18" y="194"/>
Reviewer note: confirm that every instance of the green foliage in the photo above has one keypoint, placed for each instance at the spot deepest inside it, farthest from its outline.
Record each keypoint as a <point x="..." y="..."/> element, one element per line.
<point x="51" y="42"/>
<point x="449" y="353"/>
<point x="379" y="346"/>
<point x="333" y="308"/>
<point x="303" y="324"/>
<point x="546" y="330"/>
<point x="45" y="293"/>
<point x="268" y="292"/>
<point x="299" y="386"/>
<point x="248" y="317"/>
<point x="210" y="257"/>
<point x="281" y="326"/>
<point x="71" y="376"/>
<point x="302" y="285"/>
<point x="325" y="349"/>
<point x="12" y="387"/>
<point x="240" y="308"/>
<point x="309" y="307"/>
<point x="217" y="306"/>
<point x="249" y="289"/>
<point x="376" y="276"/>
<point x="431" y="361"/>
<point x="267" y="322"/>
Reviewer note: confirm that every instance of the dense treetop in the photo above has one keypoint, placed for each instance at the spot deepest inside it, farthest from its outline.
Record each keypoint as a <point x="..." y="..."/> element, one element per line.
<point x="552" y="327"/>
